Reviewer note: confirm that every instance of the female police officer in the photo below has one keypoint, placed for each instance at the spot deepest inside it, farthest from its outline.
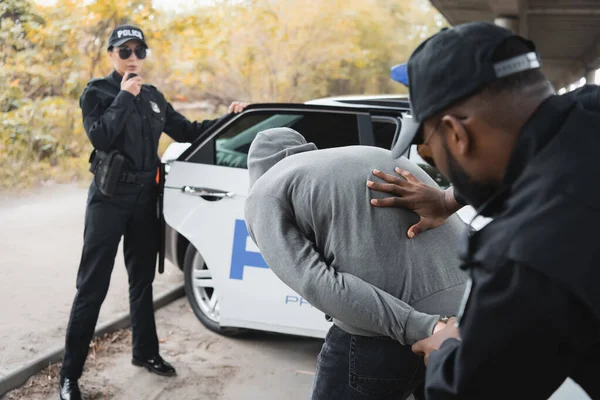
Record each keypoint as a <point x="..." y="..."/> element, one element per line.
<point x="124" y="119"/>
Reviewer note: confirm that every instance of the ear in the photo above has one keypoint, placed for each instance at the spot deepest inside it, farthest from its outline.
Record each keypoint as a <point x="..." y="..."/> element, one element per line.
<point x="456" y="136"/>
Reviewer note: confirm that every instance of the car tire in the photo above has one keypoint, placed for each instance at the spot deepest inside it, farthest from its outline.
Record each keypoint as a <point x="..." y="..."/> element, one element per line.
<point x="202" y="298"/>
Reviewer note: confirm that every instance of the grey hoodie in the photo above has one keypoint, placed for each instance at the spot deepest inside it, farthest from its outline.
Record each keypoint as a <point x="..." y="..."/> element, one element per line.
<point x="309" y="213"/>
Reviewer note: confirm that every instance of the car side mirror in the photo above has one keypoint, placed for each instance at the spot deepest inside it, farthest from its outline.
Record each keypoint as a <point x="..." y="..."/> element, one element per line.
<point x="173" y="151"/>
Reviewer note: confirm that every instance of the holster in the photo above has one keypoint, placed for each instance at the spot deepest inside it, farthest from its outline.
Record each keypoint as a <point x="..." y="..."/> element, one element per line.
<point x="107" y="168"/>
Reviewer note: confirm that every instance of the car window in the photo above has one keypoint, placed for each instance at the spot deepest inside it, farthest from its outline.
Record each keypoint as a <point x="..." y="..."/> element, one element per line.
<point x="384" y="130"/>
<point x="434" y="173"/>
<point x="324" y="129"/>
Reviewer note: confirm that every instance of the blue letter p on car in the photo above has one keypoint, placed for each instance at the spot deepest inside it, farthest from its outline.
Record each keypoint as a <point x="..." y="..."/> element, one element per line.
<point x="240" y="257"/>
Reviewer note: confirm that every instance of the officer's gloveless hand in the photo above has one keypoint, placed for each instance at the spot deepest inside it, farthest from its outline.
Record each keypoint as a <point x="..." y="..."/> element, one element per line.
<point x="433" y="342"/>
<point x="133" y="85"/>
<point x="237" y="107"/>
<point x="433" y="205"/>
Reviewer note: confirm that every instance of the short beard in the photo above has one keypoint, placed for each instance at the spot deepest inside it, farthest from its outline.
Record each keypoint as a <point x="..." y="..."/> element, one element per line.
<point x="475" y="193"/>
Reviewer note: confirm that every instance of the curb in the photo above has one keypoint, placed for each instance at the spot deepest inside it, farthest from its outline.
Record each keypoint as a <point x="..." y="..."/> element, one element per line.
<point x="17" y="378"/>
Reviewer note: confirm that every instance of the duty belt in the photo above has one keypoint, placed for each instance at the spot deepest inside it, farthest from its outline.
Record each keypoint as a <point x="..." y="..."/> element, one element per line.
<point x="137" y="177"/>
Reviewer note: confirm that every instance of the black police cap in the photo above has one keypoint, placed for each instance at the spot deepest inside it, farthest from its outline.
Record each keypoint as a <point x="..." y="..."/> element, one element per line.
<point x="449" y="66"/>
<point x="125" y="33"/>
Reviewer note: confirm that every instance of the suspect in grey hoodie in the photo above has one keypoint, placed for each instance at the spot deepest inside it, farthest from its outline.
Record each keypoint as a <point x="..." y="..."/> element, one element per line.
<point x="309" y="213"/>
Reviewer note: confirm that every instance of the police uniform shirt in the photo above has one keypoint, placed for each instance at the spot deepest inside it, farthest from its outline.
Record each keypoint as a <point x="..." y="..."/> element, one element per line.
<point x="533" y="315"/>
<point x="116" y="119"/>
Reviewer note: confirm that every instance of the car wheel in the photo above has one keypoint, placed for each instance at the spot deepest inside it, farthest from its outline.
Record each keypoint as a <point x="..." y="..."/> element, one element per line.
<point x="202" y="294"/>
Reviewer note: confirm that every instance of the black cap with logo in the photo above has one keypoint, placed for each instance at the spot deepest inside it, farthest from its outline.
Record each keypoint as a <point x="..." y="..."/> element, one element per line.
<point x="450" y="66"/>
<point x="125" y="33"/>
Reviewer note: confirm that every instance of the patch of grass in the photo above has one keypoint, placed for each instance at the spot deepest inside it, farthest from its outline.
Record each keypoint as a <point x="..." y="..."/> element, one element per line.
<point x="44" y="141"/>
<point x="17" y="177"/>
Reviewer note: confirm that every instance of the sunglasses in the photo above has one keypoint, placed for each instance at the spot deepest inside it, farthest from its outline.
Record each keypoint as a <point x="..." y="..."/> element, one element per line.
<point x="425" y="154"/>
<point x="125" y="52"/>
<point x="423" y="148"/>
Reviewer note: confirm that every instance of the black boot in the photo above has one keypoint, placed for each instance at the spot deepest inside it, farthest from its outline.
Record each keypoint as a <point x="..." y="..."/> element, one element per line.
<point x="69" y="389"/>
<point x="155" y="364"/>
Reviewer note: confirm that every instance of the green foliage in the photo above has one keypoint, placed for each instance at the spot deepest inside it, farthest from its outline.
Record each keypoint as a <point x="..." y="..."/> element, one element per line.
<point x="250" y="50"/>
<point x="38" y="140"/>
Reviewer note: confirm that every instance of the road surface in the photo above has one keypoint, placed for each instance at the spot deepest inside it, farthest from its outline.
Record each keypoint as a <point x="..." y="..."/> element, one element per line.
<point x="41" y="236"/>
<point x="209" y="367"/>
<point x="40" y="245"/>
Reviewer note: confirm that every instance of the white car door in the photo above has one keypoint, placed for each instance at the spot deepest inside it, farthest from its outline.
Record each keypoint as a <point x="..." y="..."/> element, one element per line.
<point x="204" y="201"/>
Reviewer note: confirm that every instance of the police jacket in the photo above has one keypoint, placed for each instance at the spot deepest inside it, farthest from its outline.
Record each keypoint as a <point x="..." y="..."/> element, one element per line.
<point x="116" y="119"/>
<point x="532" y="318"/>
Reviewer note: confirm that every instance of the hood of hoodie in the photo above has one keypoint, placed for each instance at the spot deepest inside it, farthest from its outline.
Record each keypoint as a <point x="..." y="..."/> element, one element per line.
<point x="271" y="146"/>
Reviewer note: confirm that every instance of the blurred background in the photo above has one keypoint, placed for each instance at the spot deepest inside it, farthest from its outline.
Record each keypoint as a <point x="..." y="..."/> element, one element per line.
<point x="204" y="54"/>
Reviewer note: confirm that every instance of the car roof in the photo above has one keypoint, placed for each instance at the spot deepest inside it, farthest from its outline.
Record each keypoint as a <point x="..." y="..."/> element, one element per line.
<point x="386" y="101"/>
<point x="392" y="107"/>
<point x="384" y="105"/>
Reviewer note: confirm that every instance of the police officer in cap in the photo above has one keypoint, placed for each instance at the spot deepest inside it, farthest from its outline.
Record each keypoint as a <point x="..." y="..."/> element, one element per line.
<point x="486" y="116"/>
<point x="123" y="118"/>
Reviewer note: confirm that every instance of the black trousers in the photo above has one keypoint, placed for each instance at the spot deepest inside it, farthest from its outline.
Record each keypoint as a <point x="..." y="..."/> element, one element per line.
<point x="130" y="213"/>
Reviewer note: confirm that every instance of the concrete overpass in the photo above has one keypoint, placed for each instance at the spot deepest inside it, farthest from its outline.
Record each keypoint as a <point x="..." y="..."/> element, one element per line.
<point x="566" y="32"/>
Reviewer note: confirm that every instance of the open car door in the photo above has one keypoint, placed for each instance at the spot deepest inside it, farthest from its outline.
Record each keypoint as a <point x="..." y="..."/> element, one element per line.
<point x="205" y="192"/>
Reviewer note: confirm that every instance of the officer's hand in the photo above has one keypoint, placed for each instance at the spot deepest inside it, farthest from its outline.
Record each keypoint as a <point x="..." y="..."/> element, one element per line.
<point x="237" y="107"/>
<point x="133" y="85"/>
<point x="439" y="326"/>
<point x="414" y="195"/>
<point x="433" y="342"/>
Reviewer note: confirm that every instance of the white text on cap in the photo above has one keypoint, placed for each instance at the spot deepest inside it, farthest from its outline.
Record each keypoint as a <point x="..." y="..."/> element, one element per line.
<point x="130" y="32"/>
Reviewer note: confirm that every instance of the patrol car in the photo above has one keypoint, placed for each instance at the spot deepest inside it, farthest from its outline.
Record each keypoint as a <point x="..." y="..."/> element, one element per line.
<point x="227" y="282"/>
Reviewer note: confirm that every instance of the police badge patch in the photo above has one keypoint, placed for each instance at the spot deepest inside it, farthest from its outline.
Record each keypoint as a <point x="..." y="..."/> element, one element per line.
<point x="155" y="107"/>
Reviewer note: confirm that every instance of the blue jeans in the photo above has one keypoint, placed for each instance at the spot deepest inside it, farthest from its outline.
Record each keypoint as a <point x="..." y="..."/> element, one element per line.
<point x="351" y="367"/>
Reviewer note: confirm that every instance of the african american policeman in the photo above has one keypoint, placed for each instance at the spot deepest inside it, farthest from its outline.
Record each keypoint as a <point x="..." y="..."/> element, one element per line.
<point x="484" y="113"/>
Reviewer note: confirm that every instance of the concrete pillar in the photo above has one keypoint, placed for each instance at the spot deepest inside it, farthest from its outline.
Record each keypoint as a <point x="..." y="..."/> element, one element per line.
<point x="590" y="77"/>
<point x="511" y="23"/>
